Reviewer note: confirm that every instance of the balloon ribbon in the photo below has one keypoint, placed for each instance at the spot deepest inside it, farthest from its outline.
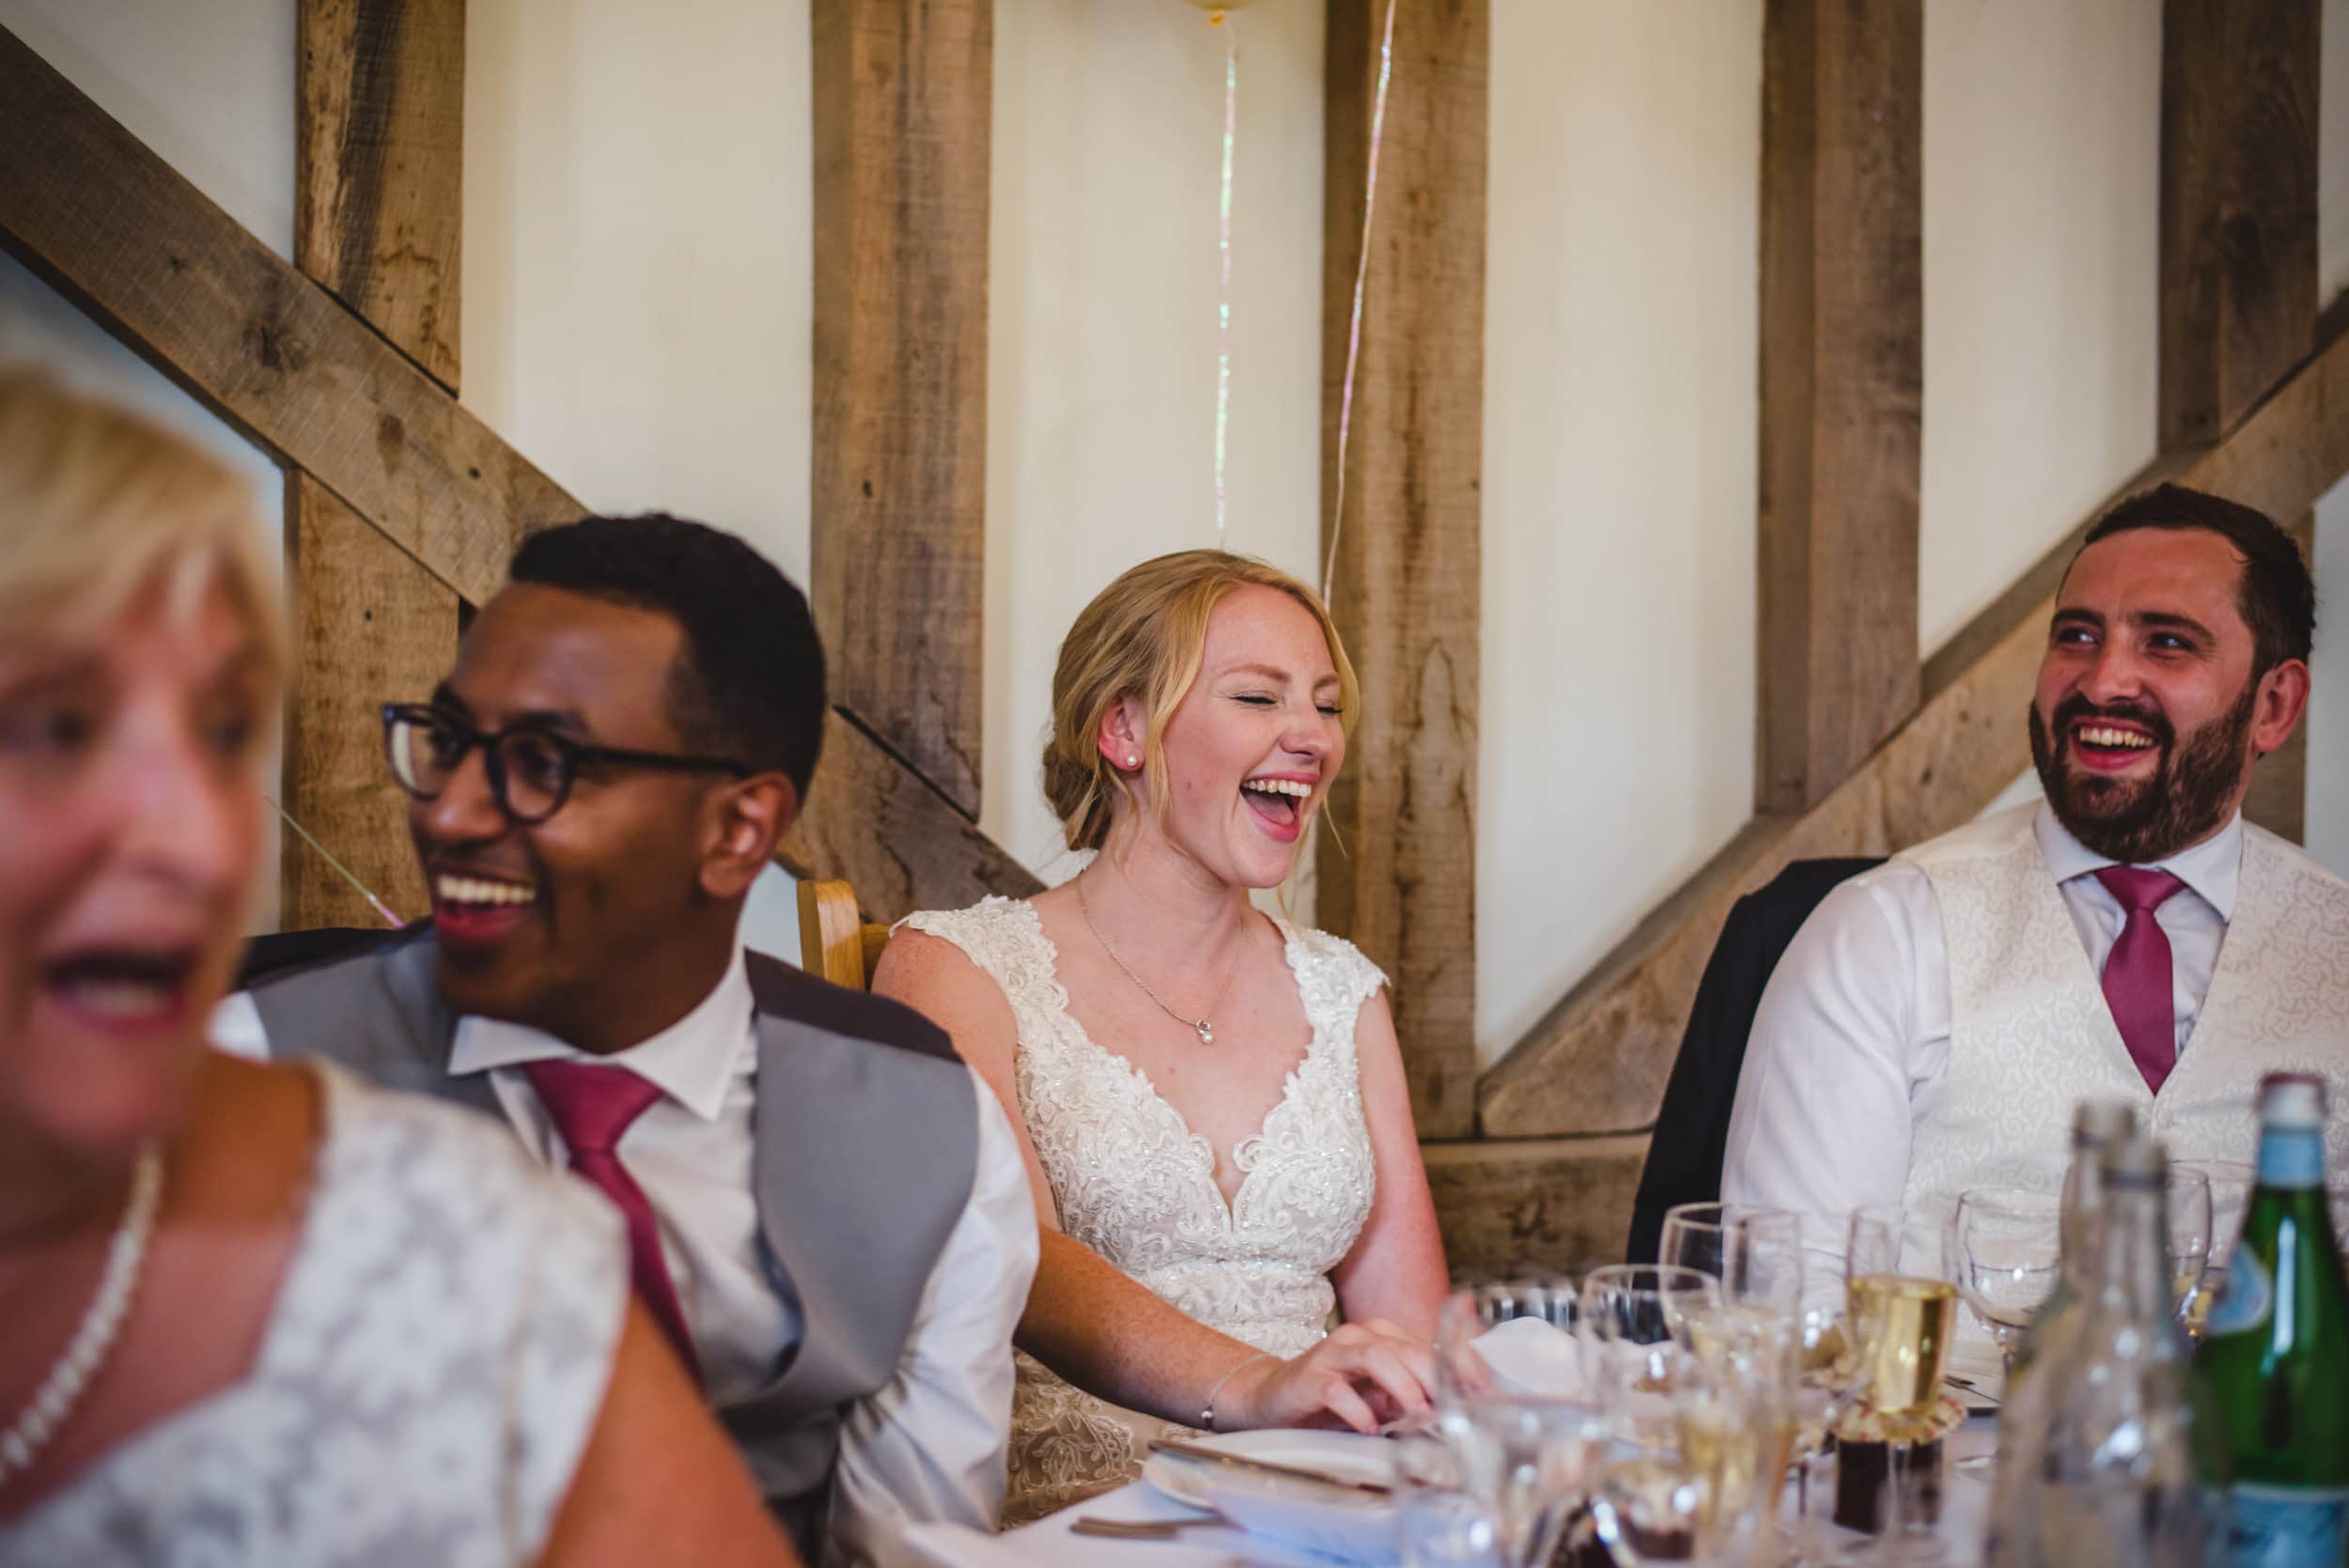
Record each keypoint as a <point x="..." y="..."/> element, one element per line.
<point x="389" y="919"/>
<point x="1361" y="270"/>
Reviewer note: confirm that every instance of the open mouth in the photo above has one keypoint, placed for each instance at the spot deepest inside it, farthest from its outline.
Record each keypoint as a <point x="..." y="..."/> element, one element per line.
<point x="127" y="987"/>
<point x="2105" y="745"/>
<point x="1279" y="802"/>
<point x="470" y="909"/>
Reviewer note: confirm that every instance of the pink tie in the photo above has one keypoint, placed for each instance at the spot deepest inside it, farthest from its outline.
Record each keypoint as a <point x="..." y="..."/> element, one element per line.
<point x="592" y="1105"/>
<point x="2138" y="984"/>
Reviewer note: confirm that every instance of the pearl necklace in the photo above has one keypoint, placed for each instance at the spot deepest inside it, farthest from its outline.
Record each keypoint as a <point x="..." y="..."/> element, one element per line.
<point x="77" y="1365"/>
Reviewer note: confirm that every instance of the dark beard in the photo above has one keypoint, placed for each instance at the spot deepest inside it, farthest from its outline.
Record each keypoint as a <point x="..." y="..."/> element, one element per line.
<point x="2135" y="822"/>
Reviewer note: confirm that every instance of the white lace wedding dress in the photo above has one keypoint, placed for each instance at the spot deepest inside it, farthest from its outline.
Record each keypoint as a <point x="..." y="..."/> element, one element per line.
<point x="1135" y="1184"/>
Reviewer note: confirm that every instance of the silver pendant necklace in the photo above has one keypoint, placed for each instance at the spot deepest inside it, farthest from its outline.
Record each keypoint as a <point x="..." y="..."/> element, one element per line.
<point x="1199" y="1026"/>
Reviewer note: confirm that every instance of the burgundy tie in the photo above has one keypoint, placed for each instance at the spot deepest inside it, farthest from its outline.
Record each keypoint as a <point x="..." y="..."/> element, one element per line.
<point x="592" y="1105"/>
<point x="2138" y="983"/>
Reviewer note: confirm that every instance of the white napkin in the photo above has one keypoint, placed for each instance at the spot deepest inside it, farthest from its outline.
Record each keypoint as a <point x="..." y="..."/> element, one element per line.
<point x="1529" y="1357"/>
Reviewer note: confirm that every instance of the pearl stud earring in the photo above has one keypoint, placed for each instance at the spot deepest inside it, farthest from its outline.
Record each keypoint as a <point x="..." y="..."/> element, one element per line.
<point x="1133" y="762"/>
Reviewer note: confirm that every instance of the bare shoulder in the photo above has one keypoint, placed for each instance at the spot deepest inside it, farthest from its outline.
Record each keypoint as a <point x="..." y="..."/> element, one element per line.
<point x="929" y="965"/>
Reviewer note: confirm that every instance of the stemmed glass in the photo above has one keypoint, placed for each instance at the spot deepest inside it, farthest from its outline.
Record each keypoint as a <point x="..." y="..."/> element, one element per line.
<point x="1902" y="1314"/>
<point x="2009" y="1251"/>
<point x="1520" y="1461"/>
<point x="2188" y="1200"/>
<point x="2230" y="1183"/>
<point x="1828" y="1367"/>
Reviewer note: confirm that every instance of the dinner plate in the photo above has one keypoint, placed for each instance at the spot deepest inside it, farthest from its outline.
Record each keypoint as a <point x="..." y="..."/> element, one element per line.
<point x="1329" y="1521"/>
<point x="1348" y="1455"/>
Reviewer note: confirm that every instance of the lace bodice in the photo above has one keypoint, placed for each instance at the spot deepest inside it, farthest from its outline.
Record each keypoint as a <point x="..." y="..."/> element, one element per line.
<point x="1133" y="1181"/>
<point x="424" y="1385"/>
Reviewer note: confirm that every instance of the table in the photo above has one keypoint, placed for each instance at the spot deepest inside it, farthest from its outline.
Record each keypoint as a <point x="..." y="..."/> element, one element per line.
<point x="1048" y="1543"/>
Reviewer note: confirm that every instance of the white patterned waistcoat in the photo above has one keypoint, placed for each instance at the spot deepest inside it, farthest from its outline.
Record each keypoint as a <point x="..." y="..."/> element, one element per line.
<point x="2030" y="1034"/>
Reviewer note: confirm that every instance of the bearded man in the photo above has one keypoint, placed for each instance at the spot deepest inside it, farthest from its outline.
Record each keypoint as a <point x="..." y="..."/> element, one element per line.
<point x="1934" y="1021"/>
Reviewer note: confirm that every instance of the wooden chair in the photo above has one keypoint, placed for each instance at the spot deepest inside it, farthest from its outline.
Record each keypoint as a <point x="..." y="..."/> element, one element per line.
<point x="835" y="943"/>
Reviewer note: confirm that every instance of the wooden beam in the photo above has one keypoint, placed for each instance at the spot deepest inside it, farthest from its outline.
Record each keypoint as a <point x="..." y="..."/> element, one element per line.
<point x="111" y="226"/>
<point x="1599" y="1061"/>
<point x="1405" y="591"/>
<point x="107" y="222"/>
<point x="902" y="118"/>
<point x="2238" y="206"/>
<point x="1532" y="1207"/>
<point x="370" y="627"/>
<point x="377" y="213"/>
<point x="378" y="176"/>
<point x="1842" y="373"/>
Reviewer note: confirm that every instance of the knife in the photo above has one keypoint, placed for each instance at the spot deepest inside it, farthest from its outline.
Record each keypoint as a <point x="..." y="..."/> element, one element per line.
<point x="1266" y="1466"/>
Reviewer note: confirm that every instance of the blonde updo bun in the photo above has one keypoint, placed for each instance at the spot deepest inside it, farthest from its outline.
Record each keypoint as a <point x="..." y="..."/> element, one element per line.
<point x="1142" y="636"/>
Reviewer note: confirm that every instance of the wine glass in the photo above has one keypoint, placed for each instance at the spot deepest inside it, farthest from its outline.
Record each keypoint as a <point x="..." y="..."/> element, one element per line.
<point x="2008" y="1250"/>
<point x="2231" y="1183"/>
<point x="1756" y="1254"/>
<point x="1902" y="1314"/>
<point x="1633" y="1326"/>
<point x="1827" y="1365"/>
<point x="1525" y="1459"/>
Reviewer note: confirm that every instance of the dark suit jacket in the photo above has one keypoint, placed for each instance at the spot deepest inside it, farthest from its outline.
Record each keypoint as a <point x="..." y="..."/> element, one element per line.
<point x="1684" y="1159"/>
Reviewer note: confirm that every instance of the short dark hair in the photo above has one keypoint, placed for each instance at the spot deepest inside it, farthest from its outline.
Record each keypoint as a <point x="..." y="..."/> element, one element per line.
<point x="2278" y="596"/>
<point x="748" y="682"/>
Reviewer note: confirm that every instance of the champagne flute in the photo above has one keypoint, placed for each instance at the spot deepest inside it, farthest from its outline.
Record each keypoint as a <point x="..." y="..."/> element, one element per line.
<point x="1827" y="1368"/>
<point x="1902" y="1314"/>
<point x="2187" y="1197"/>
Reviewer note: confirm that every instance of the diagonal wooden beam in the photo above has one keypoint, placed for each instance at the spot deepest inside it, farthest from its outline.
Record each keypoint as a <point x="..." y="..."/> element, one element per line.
<point x="903" y="93"/>
<point x="96" y="214"/>
<point x="1599" y="1061"/>
<point x="1406" y="588"/>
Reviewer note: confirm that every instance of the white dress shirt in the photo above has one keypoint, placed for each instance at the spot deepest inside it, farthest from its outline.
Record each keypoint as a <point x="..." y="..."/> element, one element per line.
<point x="929" y="1445"/>
<point x="1852" y="1039"/>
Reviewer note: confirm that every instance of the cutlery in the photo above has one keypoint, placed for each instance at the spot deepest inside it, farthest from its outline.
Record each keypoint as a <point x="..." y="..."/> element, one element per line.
<point x="1976" y="1391"/>
<point x="1266" y="1466"/>
<point x="1142" y="1529"/>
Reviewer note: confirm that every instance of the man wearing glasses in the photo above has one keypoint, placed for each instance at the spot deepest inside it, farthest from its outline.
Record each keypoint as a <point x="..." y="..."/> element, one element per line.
<point x="828" y="1212"/>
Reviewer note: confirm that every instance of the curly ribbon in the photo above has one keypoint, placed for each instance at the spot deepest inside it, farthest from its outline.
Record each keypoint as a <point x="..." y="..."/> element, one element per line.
<point x="1361" y="270"/>
<point x="389" y="919"/>
<point x="1224" y="300"/>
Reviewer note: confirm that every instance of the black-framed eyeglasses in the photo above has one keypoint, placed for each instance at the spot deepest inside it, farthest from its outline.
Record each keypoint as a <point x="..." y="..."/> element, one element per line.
<point x="530" y="767"/>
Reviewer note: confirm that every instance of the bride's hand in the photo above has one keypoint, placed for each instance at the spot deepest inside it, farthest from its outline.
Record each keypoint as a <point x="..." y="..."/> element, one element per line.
<point x="1361" y="1375"/>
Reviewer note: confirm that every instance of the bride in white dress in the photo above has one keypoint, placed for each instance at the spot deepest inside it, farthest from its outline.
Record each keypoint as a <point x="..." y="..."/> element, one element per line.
<point x="1210" y="1100"/>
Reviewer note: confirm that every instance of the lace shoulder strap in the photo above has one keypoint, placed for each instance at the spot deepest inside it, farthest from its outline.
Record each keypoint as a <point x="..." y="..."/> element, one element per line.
<point x="1333" y="977"/>
<point x="1004" y="938"/>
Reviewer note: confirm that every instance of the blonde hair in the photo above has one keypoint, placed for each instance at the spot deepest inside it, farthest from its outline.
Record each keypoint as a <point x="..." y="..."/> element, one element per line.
<point x="1142" y="637"/>
<point x="99" y="504"/>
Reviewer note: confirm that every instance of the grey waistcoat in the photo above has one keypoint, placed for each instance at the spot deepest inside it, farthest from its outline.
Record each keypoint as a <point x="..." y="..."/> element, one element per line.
<point x="852" y="1218"/>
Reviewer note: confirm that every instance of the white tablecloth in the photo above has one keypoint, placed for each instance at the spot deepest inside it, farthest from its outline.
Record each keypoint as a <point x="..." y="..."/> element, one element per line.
<point x="1047" y="1542"/>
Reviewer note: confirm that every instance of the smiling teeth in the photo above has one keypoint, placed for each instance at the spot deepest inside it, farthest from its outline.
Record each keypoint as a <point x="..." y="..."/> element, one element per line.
<point x="2101" y="735"/>
<point x="472" y="889"/>
<point x="121" y="999"/>
<point x="1278" y="787"/>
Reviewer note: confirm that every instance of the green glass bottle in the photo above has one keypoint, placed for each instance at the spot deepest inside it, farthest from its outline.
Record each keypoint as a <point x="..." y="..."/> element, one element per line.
<point x="2278" y="1349"/>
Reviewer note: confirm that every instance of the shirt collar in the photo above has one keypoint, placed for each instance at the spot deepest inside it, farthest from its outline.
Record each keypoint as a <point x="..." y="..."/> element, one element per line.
<point x="2212" y="868"/>
<point x="694" y="1061"/>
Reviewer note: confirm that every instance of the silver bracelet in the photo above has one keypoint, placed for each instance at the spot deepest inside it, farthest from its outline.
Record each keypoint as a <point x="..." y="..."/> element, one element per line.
<point x="1206" y="1414"/>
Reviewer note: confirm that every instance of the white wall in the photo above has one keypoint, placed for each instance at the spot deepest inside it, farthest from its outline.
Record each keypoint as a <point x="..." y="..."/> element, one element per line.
<point x="1101" y="328"/>
<point x="2042" y="168"/>
<point x="637" y="261"/>
<point x="214" y="94"/>
<point x="1617" y="711"/>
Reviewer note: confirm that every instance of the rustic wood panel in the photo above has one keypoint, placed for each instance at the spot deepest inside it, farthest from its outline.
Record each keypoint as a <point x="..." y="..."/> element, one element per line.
<point x="2238" y="206"/>
<point x="100" y="216"/>
<point x="1598" y="1062"/>
<point x="1406" y="590"/>
<point x="873" y="822"/>
<point x="2278" y="797"/>
<point x="1843" y="370"/>
<point x="379" y="165"/>
<point x="902" y="118"/>
<point x="110" y="224"/>
<point x="370" y="627"/>
<point x="1519" y="1207"/>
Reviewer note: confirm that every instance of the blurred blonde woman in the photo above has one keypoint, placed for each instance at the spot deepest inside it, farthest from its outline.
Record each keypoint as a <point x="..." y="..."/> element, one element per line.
<point x="1210" y="1100"/>
<point x="257" y="1314"/>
